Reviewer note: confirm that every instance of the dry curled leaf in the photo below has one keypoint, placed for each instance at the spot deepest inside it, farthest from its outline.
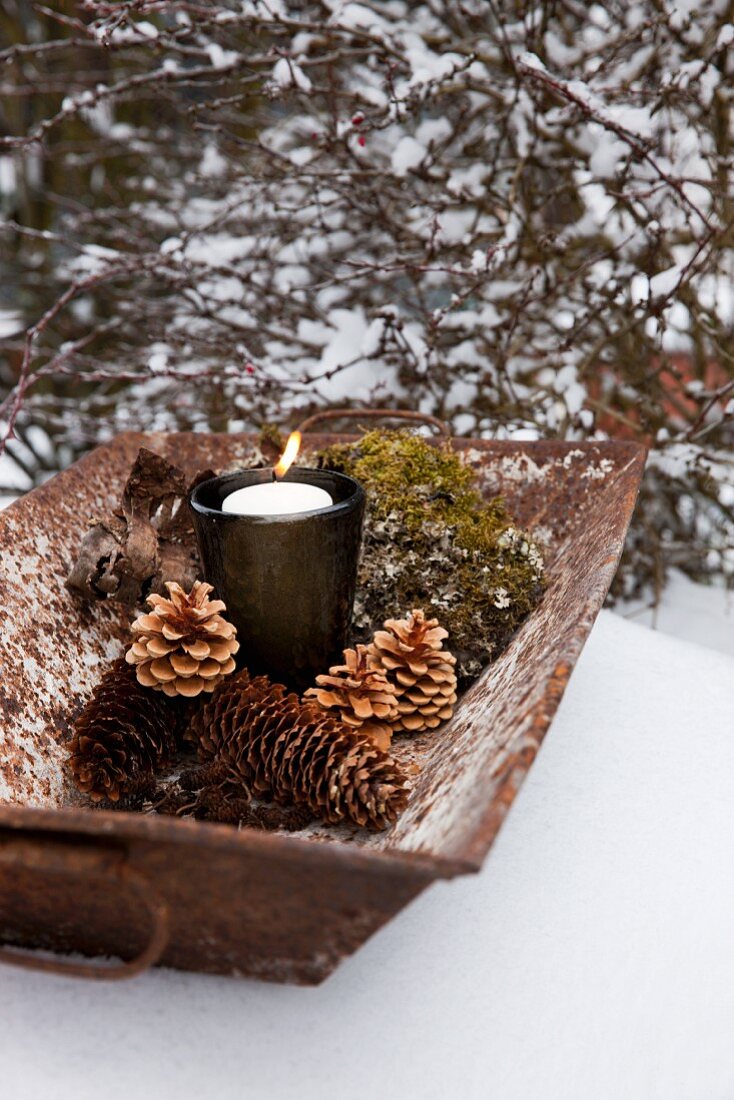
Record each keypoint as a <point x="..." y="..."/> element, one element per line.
<point x="145" y="542"/>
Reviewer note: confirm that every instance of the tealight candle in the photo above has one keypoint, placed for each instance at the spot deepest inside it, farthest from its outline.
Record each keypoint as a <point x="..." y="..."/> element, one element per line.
<point x="276" y="498"/>
<point x="281" y="548"/>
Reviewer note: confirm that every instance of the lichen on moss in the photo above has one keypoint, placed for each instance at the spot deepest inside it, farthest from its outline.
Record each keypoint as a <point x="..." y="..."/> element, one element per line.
<point x="431" y="541"/>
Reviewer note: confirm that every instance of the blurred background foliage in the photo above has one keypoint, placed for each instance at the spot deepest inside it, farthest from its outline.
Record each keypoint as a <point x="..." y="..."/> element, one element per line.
<point x="517" y="217"/>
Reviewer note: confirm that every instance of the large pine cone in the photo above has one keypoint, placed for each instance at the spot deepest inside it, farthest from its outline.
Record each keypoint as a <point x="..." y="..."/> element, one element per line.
<point x="360" y="694"/>
<point x="122" y="737"/>
<point x="270" y="745"/>
<point x="422" y="671"/>
<point x="184" y="646"/>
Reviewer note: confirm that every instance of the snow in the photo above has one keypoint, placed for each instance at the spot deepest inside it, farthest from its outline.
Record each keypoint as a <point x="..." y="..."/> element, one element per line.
<point x="287" y="72"/>
<point x="441" y="140"/>
<point x="8" y="177"/>
<point x="693" y="611"/>
<point x="407" y="154"/>
<point x="158" y="360"/>
<point x="355" y="16"/>
<point x="566" y="383"/>
<point x="212" y="162"/>
<point x="665" y="282"/>
<point x="120" y="34"/>
<point x="469" y="181"/>
<point x="220" y="58"/>
<point x="146" y="29"/>
<point x="11" y="323"/>
<point x="607" y="157"/>
<point x="433" y="129"/>
<point x="532" y="61"/>
<point x="590" y="957"/>
<point x="478" y="260"/>
<point x="371" y="338"/>
<point x="429" y="66"/>
<point x="10" y="477"/>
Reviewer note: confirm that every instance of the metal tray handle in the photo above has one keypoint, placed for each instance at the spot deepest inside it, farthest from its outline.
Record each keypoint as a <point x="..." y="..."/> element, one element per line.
<point x="374" y="414"/>
<point x="51" y="856"/>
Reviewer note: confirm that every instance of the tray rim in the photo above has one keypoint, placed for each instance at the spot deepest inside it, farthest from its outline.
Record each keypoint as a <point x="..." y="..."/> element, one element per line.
<point x="107" y="826"/>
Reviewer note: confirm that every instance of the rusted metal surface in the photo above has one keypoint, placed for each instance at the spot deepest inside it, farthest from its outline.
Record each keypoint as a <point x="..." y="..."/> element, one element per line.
<point x="45" y="860"/>
<point x="279" y="907"/>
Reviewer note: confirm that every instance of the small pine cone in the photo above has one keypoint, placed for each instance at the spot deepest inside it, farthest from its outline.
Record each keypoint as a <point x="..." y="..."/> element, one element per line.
<point x="410" y="651"/>
<point x="122" y="737"/>
<point x="183" y="646"/>
<point x="361" y="694"/>
<point x="275" y="747"/>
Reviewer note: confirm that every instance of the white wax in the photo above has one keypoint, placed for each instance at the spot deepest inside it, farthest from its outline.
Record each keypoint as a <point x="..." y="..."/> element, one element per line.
<point x="276" y="498"/>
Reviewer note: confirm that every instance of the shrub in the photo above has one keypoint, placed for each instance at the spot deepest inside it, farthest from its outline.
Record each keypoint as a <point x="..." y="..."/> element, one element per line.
<point x="517" y="217"/>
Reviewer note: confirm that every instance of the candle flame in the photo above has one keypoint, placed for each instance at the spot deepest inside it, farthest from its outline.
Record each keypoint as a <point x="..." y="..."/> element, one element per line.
<point x="288" y="457"/>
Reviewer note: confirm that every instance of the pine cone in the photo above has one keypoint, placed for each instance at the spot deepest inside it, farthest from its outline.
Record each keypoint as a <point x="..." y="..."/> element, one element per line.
<point x="361" y="694"/>
<point x="268" y="744"/>
<point x="184" y="646"/>
<point x="123" y="735"/>
<point x="410" y="651"/>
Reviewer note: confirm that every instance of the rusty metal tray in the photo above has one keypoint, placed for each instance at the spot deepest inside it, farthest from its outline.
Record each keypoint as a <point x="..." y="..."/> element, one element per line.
<point x="213" y="898"/>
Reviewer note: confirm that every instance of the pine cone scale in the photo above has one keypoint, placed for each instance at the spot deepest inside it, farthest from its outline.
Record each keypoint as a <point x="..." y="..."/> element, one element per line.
<point x="171" y="633"/>
<point x="162" y="669"/>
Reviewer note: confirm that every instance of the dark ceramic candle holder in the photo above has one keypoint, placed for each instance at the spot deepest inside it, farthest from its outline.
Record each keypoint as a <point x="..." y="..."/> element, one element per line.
<point x="288" y="581"/>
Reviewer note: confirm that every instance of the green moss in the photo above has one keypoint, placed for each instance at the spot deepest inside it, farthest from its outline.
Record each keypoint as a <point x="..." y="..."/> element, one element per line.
<point x="431" y="541"/>
<point x="393" y="464"/>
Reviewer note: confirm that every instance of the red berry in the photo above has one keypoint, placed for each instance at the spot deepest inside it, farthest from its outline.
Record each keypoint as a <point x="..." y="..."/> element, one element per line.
<point x="362" y="139"/>
<point x="357" y="120"/>
<point x="250" y="369"/>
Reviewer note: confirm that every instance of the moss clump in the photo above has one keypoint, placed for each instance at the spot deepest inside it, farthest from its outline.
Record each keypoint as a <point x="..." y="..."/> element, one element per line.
<point x="431" y="541"/>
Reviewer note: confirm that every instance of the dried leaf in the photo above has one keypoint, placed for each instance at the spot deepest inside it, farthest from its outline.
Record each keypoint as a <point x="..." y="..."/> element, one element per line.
<point x="146" y="542"/>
